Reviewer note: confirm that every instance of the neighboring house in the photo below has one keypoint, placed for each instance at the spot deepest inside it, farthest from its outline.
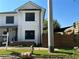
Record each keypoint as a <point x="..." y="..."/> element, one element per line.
<point x="24" y="24"/>
<point x="69" y="30"/>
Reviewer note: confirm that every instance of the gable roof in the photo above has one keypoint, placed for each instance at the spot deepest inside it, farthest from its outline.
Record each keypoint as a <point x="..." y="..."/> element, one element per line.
<point x="30" y="5"/>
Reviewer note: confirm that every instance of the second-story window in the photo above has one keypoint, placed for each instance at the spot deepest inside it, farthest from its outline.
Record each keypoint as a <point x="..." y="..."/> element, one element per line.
<point x="9" y="19"/>
<point x="30" y="17"/>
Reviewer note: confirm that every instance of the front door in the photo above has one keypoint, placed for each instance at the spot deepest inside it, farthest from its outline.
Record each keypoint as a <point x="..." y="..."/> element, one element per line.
<point x="12" y="34"/>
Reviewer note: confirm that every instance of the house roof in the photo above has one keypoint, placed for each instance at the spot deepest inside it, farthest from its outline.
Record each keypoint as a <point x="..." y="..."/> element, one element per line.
<point x="30" y="5"/>
<point x="61" y="29"/>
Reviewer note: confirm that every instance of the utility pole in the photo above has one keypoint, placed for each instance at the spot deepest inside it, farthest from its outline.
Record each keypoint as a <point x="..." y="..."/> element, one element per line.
<point x="50" y="27"/>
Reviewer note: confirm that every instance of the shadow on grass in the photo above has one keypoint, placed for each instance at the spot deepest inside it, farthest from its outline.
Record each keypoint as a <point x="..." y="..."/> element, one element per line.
<point x="66" y="48"/>
<point x="14" y="53"/>
<point x="36" y="54"/>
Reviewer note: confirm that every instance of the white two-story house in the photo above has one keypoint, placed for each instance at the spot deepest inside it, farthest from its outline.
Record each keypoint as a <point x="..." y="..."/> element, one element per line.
<point x="24" y="24"/>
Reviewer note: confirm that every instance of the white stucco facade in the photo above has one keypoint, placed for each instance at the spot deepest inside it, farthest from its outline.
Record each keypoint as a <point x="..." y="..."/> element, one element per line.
<point x="26" y="25"/>
<point x="22" y="25"/>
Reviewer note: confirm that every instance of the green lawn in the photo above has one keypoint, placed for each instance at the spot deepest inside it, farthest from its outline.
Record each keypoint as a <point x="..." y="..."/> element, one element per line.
<point x="76" y="53"/>
<point x="37" y="52"/>
<point x="10" y="51"/>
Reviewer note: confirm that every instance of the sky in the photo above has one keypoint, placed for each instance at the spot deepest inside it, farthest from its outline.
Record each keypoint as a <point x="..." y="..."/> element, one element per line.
<point x="66" y="12"/>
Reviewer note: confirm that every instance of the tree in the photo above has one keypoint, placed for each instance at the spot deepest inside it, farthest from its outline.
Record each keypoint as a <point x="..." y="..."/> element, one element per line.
<point x="45" y="25"/>
<point x="56" y="24"/>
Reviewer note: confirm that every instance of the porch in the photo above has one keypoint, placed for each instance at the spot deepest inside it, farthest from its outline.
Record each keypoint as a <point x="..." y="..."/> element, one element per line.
<point x="12" y="30"/>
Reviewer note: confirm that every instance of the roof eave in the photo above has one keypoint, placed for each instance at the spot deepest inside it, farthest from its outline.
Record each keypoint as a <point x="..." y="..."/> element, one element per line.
<point x="8" y="12"/>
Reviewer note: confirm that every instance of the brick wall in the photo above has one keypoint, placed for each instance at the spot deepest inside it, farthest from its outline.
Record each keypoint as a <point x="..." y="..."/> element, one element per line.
<point x="61" y="41"/>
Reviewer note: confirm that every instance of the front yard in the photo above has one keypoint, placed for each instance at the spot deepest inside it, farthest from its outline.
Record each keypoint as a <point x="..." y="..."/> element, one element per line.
<point x="40" y="52"/>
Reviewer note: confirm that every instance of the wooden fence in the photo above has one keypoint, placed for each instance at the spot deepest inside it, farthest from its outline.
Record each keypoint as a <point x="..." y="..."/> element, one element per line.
<point x="61" y="41"/>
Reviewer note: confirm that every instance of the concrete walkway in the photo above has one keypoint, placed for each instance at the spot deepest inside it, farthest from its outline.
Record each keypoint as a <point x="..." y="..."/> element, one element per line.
<point x="35" y="48"/>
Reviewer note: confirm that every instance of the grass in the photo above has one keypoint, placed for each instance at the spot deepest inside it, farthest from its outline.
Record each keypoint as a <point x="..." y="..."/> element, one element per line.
<point x="64" y="52"/>
<point x="76" y="53"/>
<point x="8" y="52"/>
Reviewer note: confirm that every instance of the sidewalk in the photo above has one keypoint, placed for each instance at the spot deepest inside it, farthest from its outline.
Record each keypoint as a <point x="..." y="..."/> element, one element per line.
<point x="35" y="48"/>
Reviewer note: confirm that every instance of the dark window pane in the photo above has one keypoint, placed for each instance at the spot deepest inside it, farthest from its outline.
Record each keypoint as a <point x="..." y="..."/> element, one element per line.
<point x="30" y="34"/>
<point x="30" y="16"/>
<point x="9" y="19"/>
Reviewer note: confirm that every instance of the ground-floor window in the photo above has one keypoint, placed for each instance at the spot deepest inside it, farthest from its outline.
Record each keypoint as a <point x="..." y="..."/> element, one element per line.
<point x="29" y="34"/>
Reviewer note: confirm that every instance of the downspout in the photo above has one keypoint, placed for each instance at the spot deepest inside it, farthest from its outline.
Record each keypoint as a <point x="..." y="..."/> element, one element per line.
<point x="42" y="19"/>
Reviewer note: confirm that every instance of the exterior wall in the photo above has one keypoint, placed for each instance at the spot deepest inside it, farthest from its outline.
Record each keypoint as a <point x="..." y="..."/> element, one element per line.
<point x="3" y="19"/>
<point x="28" y="25"/>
